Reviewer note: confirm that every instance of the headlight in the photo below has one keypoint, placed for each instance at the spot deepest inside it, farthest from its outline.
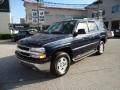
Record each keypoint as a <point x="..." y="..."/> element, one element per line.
<point x="40" y="53"/>
<point x="39" y="50"/>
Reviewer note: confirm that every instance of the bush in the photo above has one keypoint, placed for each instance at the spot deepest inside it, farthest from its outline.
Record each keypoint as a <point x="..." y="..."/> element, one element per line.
<point x="5" y="36"/>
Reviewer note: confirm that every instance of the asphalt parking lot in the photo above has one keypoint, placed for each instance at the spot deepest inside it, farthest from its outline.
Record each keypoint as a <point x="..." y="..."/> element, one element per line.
<point x="92" y="73"/>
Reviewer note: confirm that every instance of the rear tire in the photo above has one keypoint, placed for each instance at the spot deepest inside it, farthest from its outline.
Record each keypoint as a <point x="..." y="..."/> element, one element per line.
<point x="100" y="49"/>
<point x="60" y="64"/>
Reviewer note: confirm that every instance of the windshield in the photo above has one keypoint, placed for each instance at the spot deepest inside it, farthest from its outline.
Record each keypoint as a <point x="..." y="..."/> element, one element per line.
<point x="64" y="27"/>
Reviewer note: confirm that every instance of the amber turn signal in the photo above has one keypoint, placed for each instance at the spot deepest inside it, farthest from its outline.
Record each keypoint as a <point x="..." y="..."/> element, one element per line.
<point x="42" y="56"/>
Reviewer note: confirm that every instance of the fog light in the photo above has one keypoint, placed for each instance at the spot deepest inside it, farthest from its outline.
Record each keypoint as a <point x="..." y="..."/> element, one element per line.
<point x="42" y="56"/>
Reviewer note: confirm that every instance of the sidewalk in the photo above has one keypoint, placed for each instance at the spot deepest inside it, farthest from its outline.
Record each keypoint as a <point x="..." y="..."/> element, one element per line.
<point x="8" y="41"/>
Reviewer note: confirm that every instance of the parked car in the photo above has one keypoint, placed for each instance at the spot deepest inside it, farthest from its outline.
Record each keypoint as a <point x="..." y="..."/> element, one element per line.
<point x="117" y="33"/>
<point x="110" y="33"/>
<point x="20" y="35"/>
<point x="62" y="43"/>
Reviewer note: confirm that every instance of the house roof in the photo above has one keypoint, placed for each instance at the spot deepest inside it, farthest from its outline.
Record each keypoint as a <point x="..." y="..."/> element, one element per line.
<point x="59" y="6"/>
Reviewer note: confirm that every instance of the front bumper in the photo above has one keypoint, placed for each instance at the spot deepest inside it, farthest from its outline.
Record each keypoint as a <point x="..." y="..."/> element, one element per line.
<point x="43" y="65"/>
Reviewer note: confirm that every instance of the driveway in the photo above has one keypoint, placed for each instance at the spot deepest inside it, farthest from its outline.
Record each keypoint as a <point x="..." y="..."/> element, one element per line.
<point x="93" y="73"/>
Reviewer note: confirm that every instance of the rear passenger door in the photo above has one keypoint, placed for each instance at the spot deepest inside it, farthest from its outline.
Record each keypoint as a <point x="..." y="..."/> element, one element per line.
<point x="94" y="35"/>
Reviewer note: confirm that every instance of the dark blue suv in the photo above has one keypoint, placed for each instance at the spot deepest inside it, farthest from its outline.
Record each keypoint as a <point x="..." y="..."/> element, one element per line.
<point x="62" y="43"/>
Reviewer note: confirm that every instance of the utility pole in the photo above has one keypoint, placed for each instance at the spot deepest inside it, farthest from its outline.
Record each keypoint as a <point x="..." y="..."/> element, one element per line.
<point x="38" y="14"/>
<point x="98" y="9"/>
<point x="39" y="27"/>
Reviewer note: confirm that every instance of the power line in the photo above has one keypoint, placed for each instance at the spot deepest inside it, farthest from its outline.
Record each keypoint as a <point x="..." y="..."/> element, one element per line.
<point x="62" y="5"/>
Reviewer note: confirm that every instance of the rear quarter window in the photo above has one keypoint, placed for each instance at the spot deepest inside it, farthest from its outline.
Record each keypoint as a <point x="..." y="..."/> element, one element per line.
<point x="101" y="25"/>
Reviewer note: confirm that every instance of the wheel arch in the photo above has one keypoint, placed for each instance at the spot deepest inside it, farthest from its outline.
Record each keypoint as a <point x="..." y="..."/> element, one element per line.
<point x="68" y="50"/>
<point x="103" y="39"/>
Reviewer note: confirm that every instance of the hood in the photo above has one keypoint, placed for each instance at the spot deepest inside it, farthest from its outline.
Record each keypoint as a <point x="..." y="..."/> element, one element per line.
<point x="40" y="39"/>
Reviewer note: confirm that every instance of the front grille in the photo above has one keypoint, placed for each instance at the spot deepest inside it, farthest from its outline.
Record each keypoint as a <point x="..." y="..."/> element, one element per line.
<point x="29" y="59"/>
<point x="23" y="48"/>
<point x="25" y="54"/>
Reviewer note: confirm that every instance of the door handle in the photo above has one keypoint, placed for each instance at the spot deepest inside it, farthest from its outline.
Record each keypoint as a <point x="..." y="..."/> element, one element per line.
<point x="91" y="37"/>
<point x="85" y="38"/>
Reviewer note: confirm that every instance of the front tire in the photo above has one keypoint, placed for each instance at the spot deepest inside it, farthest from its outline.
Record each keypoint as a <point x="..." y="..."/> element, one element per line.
<point x="100" y="49"/>
<point x="60" y="64"/>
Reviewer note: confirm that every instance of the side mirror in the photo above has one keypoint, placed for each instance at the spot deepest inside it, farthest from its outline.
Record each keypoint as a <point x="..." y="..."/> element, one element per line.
<point x="81" y="31"/>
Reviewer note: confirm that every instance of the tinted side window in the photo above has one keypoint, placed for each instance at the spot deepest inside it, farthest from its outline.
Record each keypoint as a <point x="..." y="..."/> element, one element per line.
<point x="82" y="25"/>
<point x="92" y="26"/>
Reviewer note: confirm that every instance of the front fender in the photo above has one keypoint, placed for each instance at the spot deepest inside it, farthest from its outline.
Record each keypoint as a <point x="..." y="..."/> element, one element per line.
<point x="51" y="49"/>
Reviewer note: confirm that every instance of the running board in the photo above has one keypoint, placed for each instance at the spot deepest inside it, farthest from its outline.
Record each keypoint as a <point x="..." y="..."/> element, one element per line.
<point x="80" y="57"/>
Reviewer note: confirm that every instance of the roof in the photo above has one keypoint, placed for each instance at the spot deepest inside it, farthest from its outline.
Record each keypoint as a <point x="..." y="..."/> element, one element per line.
<point x="97" y="2"/>
<point x="92" y="6"/>
<point x="59" y="6"/>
